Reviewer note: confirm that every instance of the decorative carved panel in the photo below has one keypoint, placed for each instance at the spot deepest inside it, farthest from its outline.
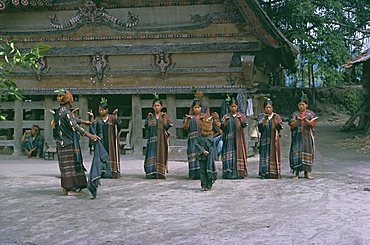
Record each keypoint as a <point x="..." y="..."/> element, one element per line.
<point x="99" y="65"/>
<point x="90" y="13"/>
<point x="163" y="62"/>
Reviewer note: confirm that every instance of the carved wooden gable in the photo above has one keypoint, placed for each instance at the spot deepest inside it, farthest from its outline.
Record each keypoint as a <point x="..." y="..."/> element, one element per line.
<point x="135" y="47"/>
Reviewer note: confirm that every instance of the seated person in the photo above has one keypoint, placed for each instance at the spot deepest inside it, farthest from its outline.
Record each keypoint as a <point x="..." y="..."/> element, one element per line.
<point x="33" y="142"/>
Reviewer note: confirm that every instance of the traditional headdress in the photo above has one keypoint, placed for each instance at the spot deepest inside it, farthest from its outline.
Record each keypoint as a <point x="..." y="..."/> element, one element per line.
<point x="304" y="98"/>
<point x="228" y="99"/>
<point x="156" y="99"/>
<point x="197" y="100"/>
<point x="63" y="96"/>
<point x="225" y="105"/>
<point x="207" y="123"/>
<point x="103" y="103"/>
<point x="231" y="101"/>
<point x="156" y="96"/>
<point x="268" y="101"/>
<point x="197" y="94"/>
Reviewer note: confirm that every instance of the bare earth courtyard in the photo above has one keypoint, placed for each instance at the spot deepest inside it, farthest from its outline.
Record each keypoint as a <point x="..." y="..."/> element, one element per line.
<point x="331" y="209"/>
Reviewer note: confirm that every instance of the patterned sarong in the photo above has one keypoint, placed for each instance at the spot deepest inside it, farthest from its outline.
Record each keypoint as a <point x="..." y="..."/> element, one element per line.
<point x="71" y="171"/>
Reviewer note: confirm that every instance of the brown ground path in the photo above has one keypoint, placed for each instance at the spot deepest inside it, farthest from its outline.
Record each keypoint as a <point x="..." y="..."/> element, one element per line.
<point x="331" y="209"/>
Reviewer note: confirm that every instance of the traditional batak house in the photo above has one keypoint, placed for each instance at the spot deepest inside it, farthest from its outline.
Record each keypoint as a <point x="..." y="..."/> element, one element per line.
<point x="127" y="50"/>
<point x="363" y="113"/>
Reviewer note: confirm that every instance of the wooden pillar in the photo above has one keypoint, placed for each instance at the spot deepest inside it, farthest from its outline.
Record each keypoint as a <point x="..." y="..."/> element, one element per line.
<point x="48" y="117"/>
<point x="137" y="127"/>
<point x="18" y="128"/>
<point x="171" y="110"/>
<point x="84" y="107"/>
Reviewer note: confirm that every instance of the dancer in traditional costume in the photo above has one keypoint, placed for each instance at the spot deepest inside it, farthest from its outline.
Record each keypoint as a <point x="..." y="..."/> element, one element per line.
<point x="108" y="128"/>
<point x="234" y="149"/>
<point x="193" y="124"/>
<point x="302" y="147"/>
<point x="269" y="125"/>
<point x="157" y="126"/>
<point x="206" y="154"/>
<point x="71" y="167"/>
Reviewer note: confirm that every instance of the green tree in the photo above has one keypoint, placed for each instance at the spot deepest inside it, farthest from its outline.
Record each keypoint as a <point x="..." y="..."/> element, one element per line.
<point x="327" y="32"/>
<point x="11" y="58"/>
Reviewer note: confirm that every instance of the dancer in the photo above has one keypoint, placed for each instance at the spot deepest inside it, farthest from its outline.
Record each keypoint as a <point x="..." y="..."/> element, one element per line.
<point x="193" y="124"/>
<point x="108" y="128"/>
<point x="71" y="166"/>
<point x="302" y="147"/>
<point x="157" y="126"/>
<point x="269" y="125"/>
<point x="206" y="155"/>
<point x="234" y="149"/>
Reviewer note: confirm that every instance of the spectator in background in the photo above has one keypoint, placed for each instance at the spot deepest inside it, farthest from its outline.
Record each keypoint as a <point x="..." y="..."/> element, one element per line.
<point x="33" y="142"/>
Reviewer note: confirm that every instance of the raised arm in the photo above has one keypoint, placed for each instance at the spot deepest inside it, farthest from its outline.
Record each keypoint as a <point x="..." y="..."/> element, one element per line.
<point x="72" y="122"/>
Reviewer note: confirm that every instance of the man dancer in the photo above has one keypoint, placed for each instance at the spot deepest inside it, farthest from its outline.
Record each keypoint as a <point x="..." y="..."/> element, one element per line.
<point x="71" y="167"/>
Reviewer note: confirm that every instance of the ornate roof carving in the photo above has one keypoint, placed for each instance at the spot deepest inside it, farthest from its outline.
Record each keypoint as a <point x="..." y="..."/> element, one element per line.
<point x="143" y="90"/>
<point x="90" y="13"/>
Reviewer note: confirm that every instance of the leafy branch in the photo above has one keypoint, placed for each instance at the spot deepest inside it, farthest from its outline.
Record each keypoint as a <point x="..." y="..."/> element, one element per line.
<point x="11" y="57"/>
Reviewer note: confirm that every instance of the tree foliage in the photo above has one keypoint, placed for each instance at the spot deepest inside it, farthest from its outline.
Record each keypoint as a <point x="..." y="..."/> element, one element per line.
<point x="327" y="32"/>
<point x="11" y="57"/>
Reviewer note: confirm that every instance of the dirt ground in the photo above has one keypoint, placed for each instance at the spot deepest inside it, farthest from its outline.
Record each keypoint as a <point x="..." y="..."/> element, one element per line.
<point x="331" y="209"/>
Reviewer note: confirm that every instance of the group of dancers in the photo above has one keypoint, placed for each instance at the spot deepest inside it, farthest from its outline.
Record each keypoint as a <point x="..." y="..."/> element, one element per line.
<point x="209" y="137"/>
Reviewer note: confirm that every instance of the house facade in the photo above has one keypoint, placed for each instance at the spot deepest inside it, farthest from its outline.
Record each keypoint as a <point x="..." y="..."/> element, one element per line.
<point x="127" y="50"/>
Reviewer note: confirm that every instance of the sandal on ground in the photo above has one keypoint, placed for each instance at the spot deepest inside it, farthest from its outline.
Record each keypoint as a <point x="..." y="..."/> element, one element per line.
<point x="295" y="177"/>
<point x="64" y="191"/>
<point x="73" y="193"/>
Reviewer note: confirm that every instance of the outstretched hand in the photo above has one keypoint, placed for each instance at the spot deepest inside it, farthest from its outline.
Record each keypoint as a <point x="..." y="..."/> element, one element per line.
<point x="94" y="137"/>
<point x="76" y="109"/>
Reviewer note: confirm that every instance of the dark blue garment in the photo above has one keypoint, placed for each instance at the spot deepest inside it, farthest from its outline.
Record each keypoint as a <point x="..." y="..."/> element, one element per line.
<point x="97" y="128"/>
<point x="193" y="163"/>
<point x="101" y="158"/>
<point x="37" y="142"/>
<point x="208" y="174"/>
<point x="234" y="159"/>
<point x="224" y="108"/>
